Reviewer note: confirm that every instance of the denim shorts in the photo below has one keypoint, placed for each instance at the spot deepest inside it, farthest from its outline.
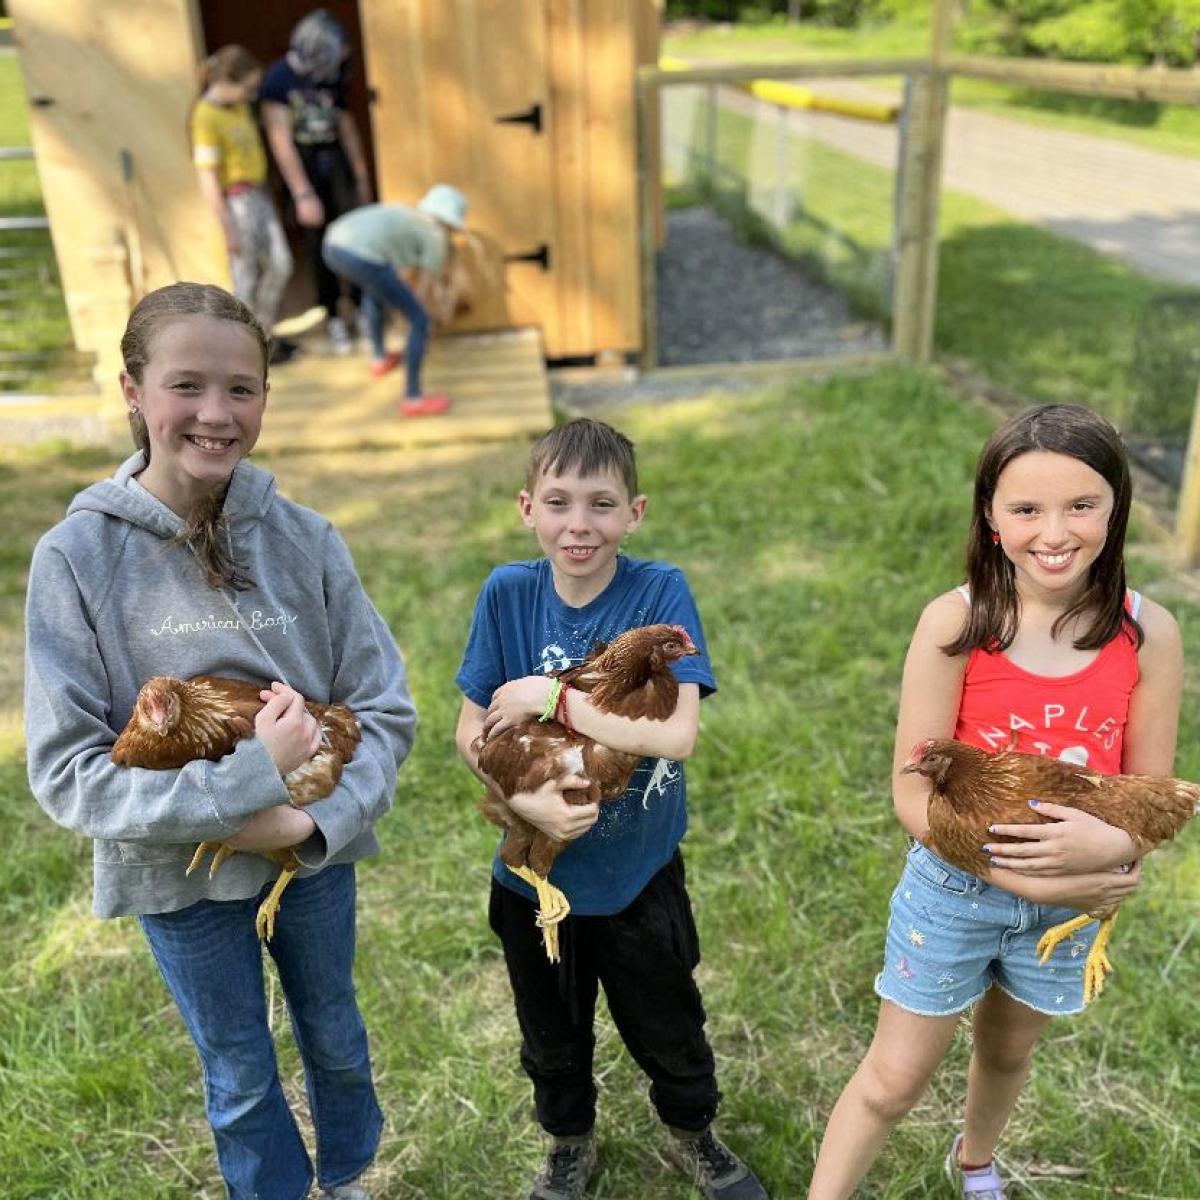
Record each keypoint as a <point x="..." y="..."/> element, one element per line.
<point x="951" y="936"/>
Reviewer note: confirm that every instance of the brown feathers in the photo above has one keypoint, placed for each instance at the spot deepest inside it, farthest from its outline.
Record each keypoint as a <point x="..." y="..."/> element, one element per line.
<point x="176" y="721"/>
<point x="632" y="678"/>
<point x="972" y="789"/>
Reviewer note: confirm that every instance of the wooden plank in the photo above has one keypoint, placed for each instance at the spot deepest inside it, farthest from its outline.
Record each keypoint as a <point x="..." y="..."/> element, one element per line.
<point x="1162" y="84"/>
<point x="101" y="111"/>
<point x="648" y="102"/>
<point x="567" y="67"/>
<point x="393" y="51"/>
<point x="330" y="404"/>
<point x="612" y="176"/>
<point x="647" y="17"/>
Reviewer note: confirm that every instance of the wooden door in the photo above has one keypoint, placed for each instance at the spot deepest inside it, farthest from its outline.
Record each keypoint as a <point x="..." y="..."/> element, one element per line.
<point x="462" y="95"/>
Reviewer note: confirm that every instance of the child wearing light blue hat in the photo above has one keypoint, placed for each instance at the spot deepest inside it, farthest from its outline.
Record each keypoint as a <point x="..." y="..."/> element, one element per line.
<point x="375" y="247"/>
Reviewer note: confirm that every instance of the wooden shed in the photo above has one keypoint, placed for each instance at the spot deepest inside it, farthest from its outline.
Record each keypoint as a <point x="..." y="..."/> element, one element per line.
<point x="527" y="105"/>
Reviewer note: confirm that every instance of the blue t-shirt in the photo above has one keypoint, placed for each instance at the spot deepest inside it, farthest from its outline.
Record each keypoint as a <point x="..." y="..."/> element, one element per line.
<point x="520" y="628"/>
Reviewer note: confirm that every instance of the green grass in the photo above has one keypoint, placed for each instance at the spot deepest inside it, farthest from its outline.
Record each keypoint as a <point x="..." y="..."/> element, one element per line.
<point x="1171" y="128"/>
<point x="36" y="319"/>
<point x="814" y="521"/>
<point x="1041" y="314"/>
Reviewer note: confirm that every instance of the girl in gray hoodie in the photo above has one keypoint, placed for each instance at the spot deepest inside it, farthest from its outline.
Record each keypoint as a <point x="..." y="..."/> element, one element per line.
<point x="187" y="561"/>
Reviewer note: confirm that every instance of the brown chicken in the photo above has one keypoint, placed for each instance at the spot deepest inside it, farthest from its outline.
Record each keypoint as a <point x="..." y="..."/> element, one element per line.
<point x="972" y="789"/>
<point x="176" y="721"/>
<point x="631" y="678"/>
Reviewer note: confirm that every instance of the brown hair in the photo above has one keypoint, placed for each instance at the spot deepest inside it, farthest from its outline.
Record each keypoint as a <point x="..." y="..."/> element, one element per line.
<point x="230" y="64"/>
<point x="587" y="446"/>
<point x="994" y="614"/>
<point x="206" y="521"/>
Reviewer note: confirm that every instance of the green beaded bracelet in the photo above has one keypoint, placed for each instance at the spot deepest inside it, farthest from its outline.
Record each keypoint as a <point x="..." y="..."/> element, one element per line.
<point x="551" y="700"/>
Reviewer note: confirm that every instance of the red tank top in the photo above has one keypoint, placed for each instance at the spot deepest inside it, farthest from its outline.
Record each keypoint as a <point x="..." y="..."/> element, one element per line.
<point x="1079" y="718"/>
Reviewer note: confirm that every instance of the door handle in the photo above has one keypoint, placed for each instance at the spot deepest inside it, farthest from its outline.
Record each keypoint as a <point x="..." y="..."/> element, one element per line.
<point x="541" y="256"/>
<point x="532" y="117"/>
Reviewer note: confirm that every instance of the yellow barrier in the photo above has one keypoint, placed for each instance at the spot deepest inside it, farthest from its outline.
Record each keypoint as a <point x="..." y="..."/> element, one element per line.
<point x="793" y="95"/>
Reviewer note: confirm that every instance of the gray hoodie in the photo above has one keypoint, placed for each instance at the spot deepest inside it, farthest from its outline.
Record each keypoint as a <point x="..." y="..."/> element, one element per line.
<point x="111" y="602"/>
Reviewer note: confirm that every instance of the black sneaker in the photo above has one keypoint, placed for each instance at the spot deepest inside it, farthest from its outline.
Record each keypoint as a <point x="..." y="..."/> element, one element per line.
<point x="567" y="1169"/>
<point x="714" y="1168"/>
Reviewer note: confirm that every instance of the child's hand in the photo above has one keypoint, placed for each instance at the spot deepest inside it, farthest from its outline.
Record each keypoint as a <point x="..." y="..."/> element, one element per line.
<point x="273" y="829"/>
<point x="512" y="702"/>
<point x="1093" y="892"/>
<point x="287" y="729"/>
<point x="310" y="212"/>
<point x="1073" y="843"/>
<point x="548" y="811"/>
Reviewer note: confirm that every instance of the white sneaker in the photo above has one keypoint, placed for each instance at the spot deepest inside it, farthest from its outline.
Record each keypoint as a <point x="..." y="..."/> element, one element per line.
<point x="340" y="341"/>
<point x="346" y="1191"/>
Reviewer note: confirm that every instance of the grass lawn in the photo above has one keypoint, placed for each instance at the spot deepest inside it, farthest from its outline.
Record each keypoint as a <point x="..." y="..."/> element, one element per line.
<point x="1047" y="316"/>
<point x="1171" y="128"/>
<point x="34" y="317"/>
<point x="814" y="522"/>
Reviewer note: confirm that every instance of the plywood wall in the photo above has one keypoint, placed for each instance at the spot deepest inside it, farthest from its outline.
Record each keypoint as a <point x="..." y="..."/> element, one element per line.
<point x="109" y="87"/>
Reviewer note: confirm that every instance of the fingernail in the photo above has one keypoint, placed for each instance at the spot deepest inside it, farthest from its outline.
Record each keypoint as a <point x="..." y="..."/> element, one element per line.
<point x="991" y="829"/>
<point x="1034" y="803"/>
<point x="987" y="849"/>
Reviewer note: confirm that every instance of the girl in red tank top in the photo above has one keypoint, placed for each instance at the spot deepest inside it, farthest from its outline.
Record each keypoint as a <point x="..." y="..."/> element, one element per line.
<point x="1044" y="644"/>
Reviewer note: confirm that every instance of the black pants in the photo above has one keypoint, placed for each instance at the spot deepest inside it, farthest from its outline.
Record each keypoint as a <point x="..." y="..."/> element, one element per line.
<point x="644" y="957"/>
<point x="329" y="173"/>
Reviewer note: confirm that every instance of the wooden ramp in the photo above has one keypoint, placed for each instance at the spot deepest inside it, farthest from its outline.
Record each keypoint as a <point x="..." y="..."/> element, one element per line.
<point x="497" y="382"/>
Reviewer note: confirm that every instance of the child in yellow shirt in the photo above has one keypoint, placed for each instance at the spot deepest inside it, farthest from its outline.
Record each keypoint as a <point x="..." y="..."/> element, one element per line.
<point x="232" y="164"/>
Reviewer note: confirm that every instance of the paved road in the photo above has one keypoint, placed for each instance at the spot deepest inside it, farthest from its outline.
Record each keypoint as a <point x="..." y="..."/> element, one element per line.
<point x="1136" y="204"/>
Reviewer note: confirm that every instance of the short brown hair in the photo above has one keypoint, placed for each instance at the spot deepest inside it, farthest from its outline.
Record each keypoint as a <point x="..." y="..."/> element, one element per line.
<point x="588" y="446"/>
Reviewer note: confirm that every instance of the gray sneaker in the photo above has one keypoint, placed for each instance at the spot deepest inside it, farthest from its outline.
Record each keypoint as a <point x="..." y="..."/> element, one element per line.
<point x="338" y="333"/>
<point x="714" y="1168"/>
<point x="567" y="1169"/>
<point x="983" y="1183"/>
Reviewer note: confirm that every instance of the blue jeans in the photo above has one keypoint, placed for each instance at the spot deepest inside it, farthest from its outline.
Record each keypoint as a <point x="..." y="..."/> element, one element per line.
<point x="381" y="288"/>
<point x="211" y="958"/>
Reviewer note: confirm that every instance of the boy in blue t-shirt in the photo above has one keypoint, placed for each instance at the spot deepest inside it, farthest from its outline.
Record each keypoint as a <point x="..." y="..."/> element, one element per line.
<point x="630" y="926"/>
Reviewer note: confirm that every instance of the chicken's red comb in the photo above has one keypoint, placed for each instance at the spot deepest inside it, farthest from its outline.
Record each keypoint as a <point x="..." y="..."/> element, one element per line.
<point x="684" y="637"/>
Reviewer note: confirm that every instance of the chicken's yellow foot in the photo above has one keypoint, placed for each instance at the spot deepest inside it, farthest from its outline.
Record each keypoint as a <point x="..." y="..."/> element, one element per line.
<point x="553" y="907"/>
<point x="1096" y="966"/>
<point x="1059" y="933"/>
<point x="264" y="922"/>
<point x="219" y="851"/>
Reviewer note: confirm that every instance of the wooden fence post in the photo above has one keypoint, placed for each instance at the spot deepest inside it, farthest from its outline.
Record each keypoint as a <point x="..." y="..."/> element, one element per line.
<point x="914" y="297"/>
<point x="1187" y="511"/>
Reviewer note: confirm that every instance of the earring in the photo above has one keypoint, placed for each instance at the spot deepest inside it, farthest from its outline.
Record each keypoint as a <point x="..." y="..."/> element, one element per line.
<point x="134" y="410"/>
<point x="995" y="538"/>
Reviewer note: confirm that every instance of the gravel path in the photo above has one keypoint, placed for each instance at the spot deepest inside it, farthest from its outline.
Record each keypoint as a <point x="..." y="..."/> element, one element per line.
<point x="723" y="300"/>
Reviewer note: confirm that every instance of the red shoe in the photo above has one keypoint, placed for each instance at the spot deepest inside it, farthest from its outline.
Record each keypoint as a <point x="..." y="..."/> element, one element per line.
<point x="381" y="366"/>
<point x="424" y="406"/>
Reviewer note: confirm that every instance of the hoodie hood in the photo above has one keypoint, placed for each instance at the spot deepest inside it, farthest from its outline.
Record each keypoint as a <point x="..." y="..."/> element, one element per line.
<point x="250" y="494"/>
